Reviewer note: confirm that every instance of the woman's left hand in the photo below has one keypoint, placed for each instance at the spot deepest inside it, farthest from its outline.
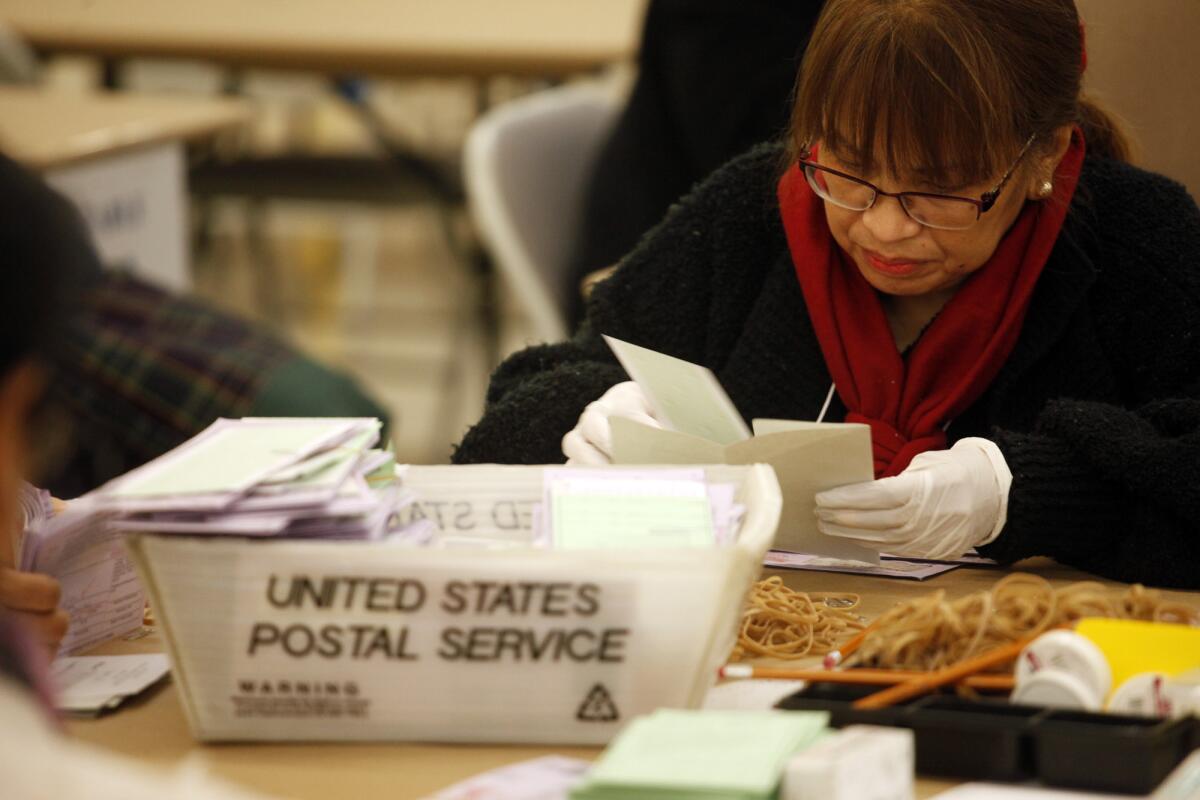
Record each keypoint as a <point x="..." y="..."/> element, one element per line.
<point x="945" y="503"/>
<point x="34" y="598"/>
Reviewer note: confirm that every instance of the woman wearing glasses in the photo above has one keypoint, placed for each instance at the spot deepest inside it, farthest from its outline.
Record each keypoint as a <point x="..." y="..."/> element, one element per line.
<point x="951" y="249"/>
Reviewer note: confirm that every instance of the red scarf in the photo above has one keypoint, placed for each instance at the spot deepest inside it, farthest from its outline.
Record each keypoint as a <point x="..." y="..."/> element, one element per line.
<point x="908" y="400"/>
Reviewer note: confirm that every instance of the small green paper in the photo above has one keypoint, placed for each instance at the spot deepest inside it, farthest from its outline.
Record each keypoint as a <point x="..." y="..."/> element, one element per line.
<point x="584" y="521"/>
<point x="710" y="754"/>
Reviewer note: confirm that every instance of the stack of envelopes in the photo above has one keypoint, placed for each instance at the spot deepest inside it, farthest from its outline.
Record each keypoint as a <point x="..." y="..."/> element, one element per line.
<point x="293" y="478"/>
<point x="276" y="477"/>
<point x="739" y="755"/>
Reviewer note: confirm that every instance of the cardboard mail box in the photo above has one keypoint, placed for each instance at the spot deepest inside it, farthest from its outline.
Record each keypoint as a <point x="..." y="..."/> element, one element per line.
<point x="322" y="640"/>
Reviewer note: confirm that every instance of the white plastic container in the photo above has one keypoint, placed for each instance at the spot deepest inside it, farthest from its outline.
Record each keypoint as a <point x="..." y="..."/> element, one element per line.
<point x="856" y="762"/>
<point x="1056" y="688"/>
<point x="1062" y="669"/>
<point x="331" y="641"/>
<point x="1156" y="694"/>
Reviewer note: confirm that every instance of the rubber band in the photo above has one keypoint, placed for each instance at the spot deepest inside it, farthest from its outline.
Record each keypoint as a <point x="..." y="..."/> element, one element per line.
<point x="779" y="622"/>
<point x="930" y="632"/>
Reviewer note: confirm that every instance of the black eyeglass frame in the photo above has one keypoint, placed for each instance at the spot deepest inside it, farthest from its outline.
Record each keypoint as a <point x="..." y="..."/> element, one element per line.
<point x="984" y="204"/>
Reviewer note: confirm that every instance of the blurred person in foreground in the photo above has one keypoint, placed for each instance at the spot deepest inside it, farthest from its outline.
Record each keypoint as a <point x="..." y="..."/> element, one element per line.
<point x="46" y="262"/>
<point x="950" y="247"/>
<point x="44" y="252"/>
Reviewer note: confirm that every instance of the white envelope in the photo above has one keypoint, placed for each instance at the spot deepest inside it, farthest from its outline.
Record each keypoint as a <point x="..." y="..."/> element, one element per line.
<point x="808" y="457"/>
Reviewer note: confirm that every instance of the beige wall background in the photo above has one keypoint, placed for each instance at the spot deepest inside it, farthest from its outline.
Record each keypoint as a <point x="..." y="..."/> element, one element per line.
<point x="1144" y="61"/>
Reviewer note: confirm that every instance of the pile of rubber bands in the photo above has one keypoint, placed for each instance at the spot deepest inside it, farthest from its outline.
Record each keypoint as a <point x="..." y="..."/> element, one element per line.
<point x="932" y="632"/>
<point x="782" y="623"/>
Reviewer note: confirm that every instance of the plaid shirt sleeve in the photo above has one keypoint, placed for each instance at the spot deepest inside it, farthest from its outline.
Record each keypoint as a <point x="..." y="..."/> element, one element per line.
<point x="144" y="370"/>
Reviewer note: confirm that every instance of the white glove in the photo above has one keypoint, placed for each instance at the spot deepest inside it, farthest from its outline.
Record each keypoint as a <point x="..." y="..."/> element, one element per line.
<point x="945" y="503"/>
<point x="590" y="443"/>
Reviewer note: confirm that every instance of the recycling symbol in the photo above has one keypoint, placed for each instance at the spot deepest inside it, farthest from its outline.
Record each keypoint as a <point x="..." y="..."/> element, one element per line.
<point x="598" y="706"/>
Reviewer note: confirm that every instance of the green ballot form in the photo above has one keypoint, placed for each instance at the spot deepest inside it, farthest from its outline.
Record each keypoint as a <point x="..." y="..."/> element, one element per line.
<point x="738" y="755"/>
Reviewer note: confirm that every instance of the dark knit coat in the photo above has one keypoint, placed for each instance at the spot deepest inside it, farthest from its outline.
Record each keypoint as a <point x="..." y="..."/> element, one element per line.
<point x="1097" y="410"/>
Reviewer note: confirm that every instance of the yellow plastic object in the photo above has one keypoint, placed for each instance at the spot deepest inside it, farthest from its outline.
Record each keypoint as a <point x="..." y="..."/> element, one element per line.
<point x="1133" y="646"/>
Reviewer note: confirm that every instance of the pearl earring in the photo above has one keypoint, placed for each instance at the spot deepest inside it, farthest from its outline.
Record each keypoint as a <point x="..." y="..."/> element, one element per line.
<point x="1046" y="189"/>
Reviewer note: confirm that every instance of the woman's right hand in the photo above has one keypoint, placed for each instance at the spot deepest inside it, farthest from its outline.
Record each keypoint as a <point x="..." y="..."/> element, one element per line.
<point x="590" y="442"/>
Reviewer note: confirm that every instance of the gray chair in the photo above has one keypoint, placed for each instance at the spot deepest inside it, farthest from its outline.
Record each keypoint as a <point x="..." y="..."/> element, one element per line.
<point x="526" y="165"/>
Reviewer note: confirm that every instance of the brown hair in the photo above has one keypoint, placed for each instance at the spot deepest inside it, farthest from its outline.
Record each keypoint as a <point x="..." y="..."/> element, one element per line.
<point x="951" y="89"/>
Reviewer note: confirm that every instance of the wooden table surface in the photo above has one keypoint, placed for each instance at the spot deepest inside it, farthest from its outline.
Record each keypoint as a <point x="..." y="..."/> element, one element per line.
<point x="154" y="729"/>
<point x="393" y="37"/>
<point x="44" y="128"/>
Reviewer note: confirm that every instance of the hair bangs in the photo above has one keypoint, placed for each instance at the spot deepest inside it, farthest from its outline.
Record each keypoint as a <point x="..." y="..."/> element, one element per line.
<point x="901" y="90"/>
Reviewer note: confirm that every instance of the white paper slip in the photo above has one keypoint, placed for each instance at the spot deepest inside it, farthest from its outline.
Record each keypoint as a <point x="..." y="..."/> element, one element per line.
<point x="91" y="684"/>
<point x="892" y="568"/>
<point x="546" y="778"/>
<point x="686" y="397"/>
<point x="100" y="589"/>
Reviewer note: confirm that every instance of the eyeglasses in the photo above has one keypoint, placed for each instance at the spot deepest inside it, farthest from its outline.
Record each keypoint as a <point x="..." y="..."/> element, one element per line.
<point x="942" y="211"/>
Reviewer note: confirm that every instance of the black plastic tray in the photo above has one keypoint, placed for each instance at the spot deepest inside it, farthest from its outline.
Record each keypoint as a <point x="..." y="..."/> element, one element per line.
<point x="1110" y="752"/>
<point x="989" y="739"/>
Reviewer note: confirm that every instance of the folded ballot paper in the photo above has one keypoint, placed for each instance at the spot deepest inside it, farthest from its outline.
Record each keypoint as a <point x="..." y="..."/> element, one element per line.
<point x="291" y="478"/>
<point x="89" y="685"/>
<point x="738" y="755"/>
<point x="702" y="426"/>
